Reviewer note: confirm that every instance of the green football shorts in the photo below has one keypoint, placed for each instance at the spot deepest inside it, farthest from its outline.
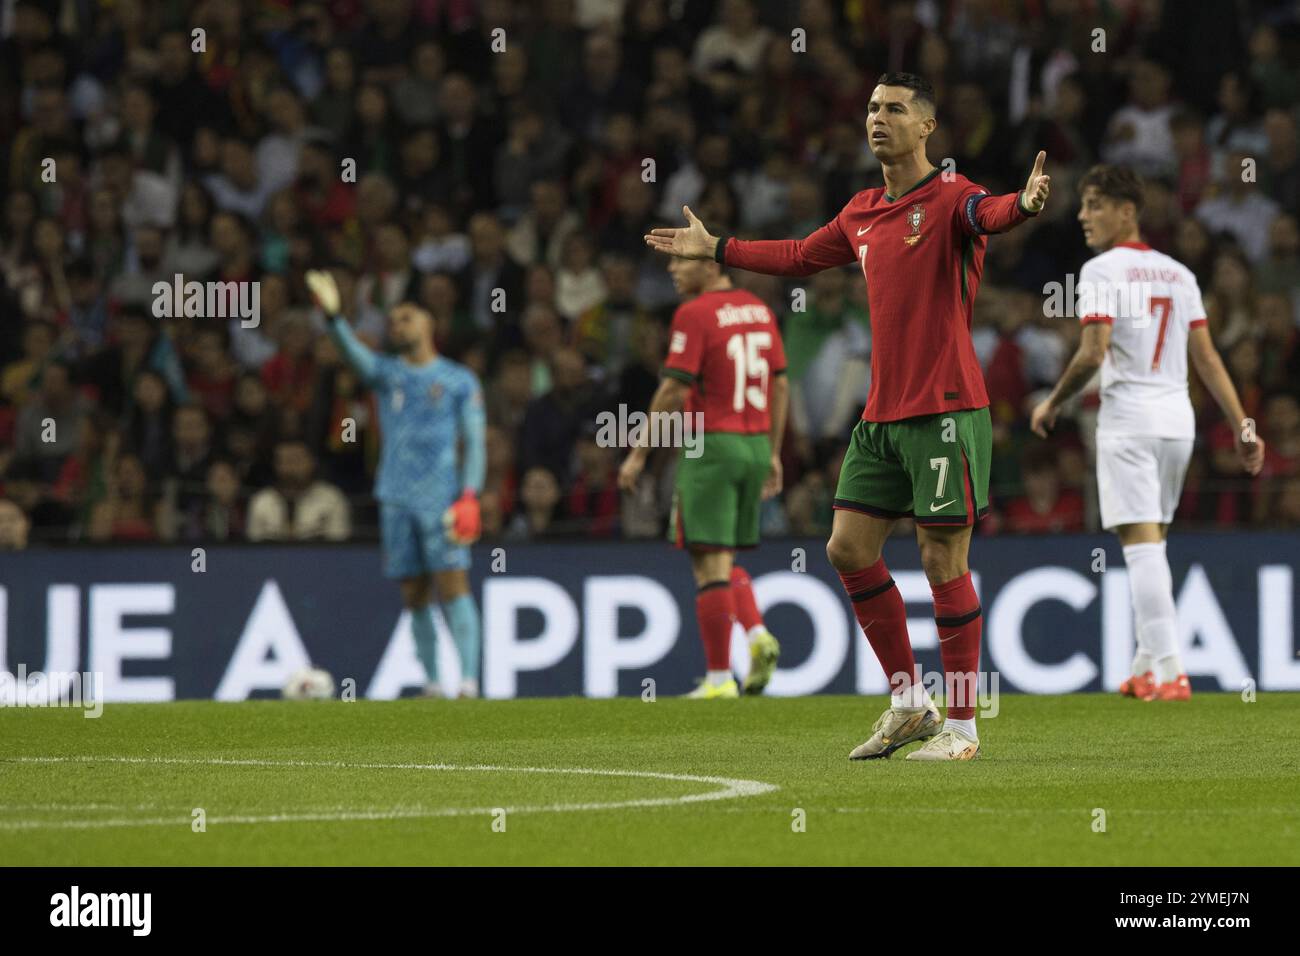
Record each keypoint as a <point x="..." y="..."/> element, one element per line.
<point x="718" y="494"/>
<point x="934" y="468"/>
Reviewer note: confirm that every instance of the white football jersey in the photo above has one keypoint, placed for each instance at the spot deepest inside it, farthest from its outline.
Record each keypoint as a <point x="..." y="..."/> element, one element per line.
<point x="1152" y="303"/>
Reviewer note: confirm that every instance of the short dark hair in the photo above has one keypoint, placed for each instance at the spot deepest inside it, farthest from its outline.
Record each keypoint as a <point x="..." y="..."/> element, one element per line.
<point x="1114" y="182"/>
<point x="922" y="90"/>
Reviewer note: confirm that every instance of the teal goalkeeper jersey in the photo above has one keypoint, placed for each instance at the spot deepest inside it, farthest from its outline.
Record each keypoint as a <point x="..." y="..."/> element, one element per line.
<point x="428" y="414"/>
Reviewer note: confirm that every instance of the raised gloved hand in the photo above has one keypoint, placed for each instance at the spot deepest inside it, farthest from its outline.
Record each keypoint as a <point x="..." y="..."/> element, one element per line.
<point x="324" y="290"/>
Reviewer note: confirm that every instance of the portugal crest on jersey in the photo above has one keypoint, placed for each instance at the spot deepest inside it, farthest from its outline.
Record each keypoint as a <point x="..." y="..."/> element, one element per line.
<point x="915" y="217"/>
<point x="435" y="391"/>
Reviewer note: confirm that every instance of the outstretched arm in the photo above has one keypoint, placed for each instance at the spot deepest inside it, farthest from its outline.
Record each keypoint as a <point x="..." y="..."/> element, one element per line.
<point x="824" y="249"/>
<point x="983" y="214"/>
<point x="363" y="361"/>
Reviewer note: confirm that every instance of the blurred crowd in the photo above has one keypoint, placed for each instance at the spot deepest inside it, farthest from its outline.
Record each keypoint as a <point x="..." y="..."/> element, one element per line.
<point x="498" y="162"/>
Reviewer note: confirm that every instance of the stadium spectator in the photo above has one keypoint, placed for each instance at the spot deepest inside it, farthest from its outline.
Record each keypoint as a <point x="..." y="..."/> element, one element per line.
<point x="415" y="95"/>
<point x="238" y="187"/>
<point x="601" y="89"/>
<point x="391" y="279"/>
<point x="180" y="94"/>
<point x="469" y="141"/>
<point x="604" y="332"/>
<point x="492" y="281"/>
<point x="130" y="510"/>
<point x="1239" y="209"/>
<point x="438" y="246"/>
<point x="21" y="376"/>
<point x="1045" y="507"/>
<point x="147" y="425"/>
<point x="1140" y="134"/>
<point x="828" y="358"/>
<point x="1236" y="127"/>
<point x="579" y="285"/>
<point x="298" y="506"/>
<point x="539" y="497"/>
<point x="540" y="233"/>
<point x="223" y="513"/>
<point x="553" y="421"/>
<point x="1285" y="511"/>
<point x="14" y="526"/>
<point x="191" y="451"/>
<point x="593" y="496"/>
<point x="507" y="193"/>
<point x="49" y="426"/>
<point x="1279" y="173"/>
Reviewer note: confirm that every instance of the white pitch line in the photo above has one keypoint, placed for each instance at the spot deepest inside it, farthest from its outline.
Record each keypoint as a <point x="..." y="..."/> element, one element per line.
<point x="1027" y="811"/>
<point x="730" y="789"/>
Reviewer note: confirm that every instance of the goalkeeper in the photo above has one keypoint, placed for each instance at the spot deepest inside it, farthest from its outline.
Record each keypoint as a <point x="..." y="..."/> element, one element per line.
<point x="431" y="470"/>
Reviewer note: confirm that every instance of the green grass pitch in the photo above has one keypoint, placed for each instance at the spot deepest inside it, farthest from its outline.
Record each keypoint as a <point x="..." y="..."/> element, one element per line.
<point x="418" y="781"/>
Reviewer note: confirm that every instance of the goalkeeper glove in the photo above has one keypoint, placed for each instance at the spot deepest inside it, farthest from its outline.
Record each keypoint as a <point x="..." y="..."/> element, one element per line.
<point x="462" y="520"/>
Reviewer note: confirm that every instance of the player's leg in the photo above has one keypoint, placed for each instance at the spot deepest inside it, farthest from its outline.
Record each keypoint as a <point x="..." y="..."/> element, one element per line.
<point x="705" y="506"/>
<point x="764" y="651"/>
<point x="461" y="612"/>
<point x="1125" y="492"/>
<point x="1151" y="584"/>
<point x="448" y="563"/>
<point x="1150" y="588"/>
<point x="1138" y="483"/>
<point x="948" y="458"/>
<point x="715" y="612"/>
<point x="403" y="561"/>
<point x="958" y="619"/>
<point x="417" y="598"/>
<point x="872" y="494"/>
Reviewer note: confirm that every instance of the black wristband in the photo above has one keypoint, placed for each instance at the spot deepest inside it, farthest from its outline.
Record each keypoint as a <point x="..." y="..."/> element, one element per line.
<point x="720" y="250"/>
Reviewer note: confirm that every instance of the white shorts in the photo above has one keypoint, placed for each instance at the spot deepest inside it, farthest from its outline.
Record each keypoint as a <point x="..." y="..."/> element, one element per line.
<point x="1140" y="479"/>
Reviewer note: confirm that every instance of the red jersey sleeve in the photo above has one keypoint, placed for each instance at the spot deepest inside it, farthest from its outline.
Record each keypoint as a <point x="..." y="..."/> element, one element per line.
<point x="979" y="214"/>
<point x="826" y="248"/>
<point x="685" y="346"/>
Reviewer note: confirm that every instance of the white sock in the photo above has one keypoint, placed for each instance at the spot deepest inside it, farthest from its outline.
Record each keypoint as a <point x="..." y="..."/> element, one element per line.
<point x="1151" y="588"/>
<point x="755" y="632"/>
<point x="1141" y="662"/>
<point x="1168" y="668"/>
<point x="964" y="727"/>
<point x="910" y="699"/>
<point x="717" y="678"/>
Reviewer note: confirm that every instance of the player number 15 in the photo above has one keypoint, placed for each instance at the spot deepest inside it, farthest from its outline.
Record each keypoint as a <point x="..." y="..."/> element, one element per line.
<point x="745" y="350"/>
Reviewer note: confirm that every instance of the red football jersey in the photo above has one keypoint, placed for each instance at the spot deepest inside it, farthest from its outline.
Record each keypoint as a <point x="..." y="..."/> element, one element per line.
<point x="921" y="255"/>
<point x="727" y="346"/>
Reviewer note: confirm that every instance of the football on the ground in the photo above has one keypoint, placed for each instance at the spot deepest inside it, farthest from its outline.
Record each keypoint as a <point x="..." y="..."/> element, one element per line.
<point x="310" y="683"/>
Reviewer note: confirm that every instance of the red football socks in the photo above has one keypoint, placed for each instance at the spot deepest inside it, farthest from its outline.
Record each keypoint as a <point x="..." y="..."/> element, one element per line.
<point x="742" y="593"/>
<point x="959" y="619"/>
<point x="879" y="609"/>
<point x="715" y="611"/>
